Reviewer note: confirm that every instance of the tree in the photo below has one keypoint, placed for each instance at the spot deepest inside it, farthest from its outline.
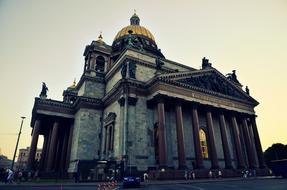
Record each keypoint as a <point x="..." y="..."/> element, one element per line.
<point x="277" y="151"/>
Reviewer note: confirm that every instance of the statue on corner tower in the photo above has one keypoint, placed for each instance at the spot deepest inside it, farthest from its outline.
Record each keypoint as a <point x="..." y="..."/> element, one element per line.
<point x="43" y="94"/>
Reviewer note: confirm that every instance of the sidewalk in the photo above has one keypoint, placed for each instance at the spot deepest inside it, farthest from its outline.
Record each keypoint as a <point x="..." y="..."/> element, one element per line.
<point x="152" y="182"/>
<point x="168" y="182"/>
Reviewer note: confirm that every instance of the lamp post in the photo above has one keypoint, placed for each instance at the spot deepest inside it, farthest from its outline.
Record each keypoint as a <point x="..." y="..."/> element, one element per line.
<point x="12" y="165"/>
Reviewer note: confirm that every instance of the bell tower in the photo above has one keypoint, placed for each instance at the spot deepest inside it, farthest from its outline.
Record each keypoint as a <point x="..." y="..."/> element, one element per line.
<point x="97" y="61"/>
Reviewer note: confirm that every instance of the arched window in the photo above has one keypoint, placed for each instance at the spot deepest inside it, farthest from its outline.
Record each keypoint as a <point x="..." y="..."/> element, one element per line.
<point x="203" y="142"/>
<point x="100" y="64"/>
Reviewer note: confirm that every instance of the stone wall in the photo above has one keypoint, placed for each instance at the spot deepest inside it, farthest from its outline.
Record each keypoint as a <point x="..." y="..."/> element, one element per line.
<point x="92" y="89"/>
<point x="113" y="80"/>
<point x="140" y="132"/>
<point x="144" y="73"/>
<point x="86" y="141"/>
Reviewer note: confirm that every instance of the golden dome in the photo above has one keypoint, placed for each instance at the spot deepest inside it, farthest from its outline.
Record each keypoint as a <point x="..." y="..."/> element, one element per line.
<point x="137" y="30"/>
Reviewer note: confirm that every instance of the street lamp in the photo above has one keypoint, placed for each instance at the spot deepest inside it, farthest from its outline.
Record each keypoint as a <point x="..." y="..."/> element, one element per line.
<point x="12" y="165"/>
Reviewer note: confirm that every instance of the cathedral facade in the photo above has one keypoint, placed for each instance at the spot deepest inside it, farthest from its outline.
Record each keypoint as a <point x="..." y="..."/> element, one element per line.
<point x="135" y="111"/>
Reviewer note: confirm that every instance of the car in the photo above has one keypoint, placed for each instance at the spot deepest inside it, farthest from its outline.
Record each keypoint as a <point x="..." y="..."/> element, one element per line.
<point x="131" y="181"/>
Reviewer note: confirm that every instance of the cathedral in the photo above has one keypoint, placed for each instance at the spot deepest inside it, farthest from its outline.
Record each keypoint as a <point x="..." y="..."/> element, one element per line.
<point x="134" y="111"/>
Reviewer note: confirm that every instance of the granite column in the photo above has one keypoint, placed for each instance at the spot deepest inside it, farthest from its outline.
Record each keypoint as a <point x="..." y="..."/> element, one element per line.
<point x="197" y="145"/>
<point x="180" y="137"/>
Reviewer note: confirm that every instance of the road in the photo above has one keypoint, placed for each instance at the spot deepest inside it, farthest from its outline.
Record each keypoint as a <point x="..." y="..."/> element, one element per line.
<point x="260" y="184"/>
<point x="270" y="184"/>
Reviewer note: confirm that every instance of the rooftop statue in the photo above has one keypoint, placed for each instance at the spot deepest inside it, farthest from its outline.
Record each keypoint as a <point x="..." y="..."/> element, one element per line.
<point x="44" y="90"/>
<point x="205" y="63"/>
<point x="247" y="90"/>
<point x="232" y="77"/>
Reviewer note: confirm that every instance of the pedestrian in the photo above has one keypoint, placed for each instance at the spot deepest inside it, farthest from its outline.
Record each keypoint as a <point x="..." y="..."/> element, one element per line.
<point x="193" y="175"/>
<point x="29" y="176"/>
<point x="145" y="177"/>
<point x="210" y="174"/>
<point x="219" y="173"/>
<point x="185" y="175"/>
<point x="254" y="173"/>
<point x="10" y="176"/>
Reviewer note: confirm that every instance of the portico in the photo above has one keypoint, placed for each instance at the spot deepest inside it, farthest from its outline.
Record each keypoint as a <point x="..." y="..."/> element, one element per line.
<point x="223" y="116"/>
<point x="57" y="132"/>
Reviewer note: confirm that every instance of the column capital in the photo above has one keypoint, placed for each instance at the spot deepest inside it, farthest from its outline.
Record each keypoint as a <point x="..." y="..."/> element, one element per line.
<point x="160" y="98"/>
<point x="178" y="101"/>
<point x="121" y="101"/>
<point x="195" y="105"/>
<point x="132" y="101"/>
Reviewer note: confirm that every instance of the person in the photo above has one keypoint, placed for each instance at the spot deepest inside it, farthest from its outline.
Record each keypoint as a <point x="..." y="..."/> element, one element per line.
<point x="210" y="174"/>
<point x="10" y="176"/>
<point x="245" y="173"/>
<point x="29" y="176"/>
<point x="219" y="173"/>
<point x="185" y="175"/>
<point x="145" y="177"/>
<point x="193" y="175"/>
<point x="254" y="172"/>
<point x="76" y="177"/>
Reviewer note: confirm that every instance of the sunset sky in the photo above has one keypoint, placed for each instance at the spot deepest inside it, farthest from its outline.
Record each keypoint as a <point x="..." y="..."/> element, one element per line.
<point x="44" y="41"/>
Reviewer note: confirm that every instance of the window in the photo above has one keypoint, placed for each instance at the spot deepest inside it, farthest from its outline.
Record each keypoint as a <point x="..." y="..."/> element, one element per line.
<point x="100" y="64"/>
<point x="109" y="138"/>
<point x="203" y="143"/>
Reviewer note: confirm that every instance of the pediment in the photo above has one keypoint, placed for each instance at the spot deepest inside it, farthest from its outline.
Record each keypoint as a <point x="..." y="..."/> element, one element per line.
<point x="210" y="81"/>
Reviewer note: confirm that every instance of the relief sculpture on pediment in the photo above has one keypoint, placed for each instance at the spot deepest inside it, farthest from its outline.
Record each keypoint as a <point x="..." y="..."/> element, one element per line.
<point x="212" y="83"/>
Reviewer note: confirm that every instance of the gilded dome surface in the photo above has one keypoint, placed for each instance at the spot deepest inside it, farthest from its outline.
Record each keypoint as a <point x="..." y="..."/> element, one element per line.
<point x="136" y="30"/>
